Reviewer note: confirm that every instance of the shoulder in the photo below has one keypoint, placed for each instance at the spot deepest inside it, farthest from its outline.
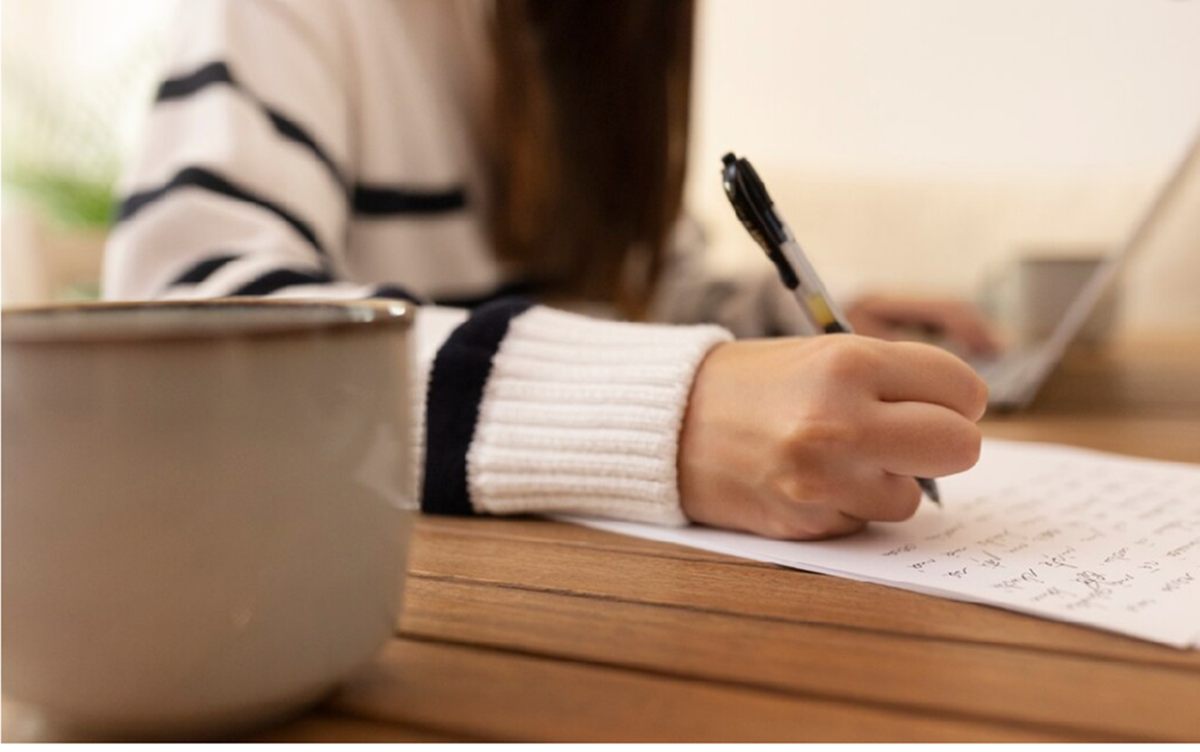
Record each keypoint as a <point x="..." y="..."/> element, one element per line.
<point x="336" y="30"/>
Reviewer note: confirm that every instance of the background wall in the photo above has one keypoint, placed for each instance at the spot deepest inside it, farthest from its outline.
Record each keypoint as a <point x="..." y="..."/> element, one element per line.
<point x="913" y="144"/>
<point x="918" y="144"/>
<point x="77" y="75"/>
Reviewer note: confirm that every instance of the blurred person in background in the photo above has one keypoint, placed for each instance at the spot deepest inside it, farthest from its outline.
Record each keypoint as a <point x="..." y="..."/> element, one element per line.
<point x="517" y="168"/>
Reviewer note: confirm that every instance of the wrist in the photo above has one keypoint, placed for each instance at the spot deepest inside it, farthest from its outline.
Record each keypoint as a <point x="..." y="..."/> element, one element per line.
<point x="583" y="416"/>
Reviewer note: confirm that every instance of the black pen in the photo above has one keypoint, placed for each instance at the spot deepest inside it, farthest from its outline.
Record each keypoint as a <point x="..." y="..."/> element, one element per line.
<point x="756" y="210"/>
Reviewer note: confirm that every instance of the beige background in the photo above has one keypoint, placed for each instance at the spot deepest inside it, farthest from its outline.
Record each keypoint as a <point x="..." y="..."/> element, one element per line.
<point x="913" y="144"/>
<point x="918" y="144"/>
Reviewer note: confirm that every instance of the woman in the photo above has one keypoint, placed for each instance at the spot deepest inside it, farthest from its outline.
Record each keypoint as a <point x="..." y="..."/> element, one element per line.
<point x="502" y="162"/>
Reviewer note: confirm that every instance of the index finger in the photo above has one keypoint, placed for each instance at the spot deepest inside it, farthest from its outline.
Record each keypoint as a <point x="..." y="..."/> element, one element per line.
<point x="915" y="372"/>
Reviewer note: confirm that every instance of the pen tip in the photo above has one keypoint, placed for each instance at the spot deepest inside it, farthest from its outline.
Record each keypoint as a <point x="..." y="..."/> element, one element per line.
<point x="931" y="490"/>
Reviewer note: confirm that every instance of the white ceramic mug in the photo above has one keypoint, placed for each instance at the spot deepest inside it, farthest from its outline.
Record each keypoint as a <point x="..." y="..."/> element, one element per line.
<point x="1048" y="284"/>
<point x="202" y="523"/>
<point x="1033" y="293"/>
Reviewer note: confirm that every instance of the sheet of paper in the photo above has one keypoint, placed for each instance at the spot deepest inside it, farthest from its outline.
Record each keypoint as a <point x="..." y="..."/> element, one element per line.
<point x="1098" y="539"/>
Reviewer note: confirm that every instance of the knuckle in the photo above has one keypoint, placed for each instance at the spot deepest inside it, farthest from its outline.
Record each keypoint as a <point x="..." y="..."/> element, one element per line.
<point x="805" y="437"/>
<point x="798" y="488"/>
<point x="843" y="358"/>
<point x="802" y="509"/>
<point x="820" y="432"/>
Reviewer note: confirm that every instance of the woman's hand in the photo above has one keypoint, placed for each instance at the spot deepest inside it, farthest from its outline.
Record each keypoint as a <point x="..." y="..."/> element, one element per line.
<point x="812" y="438"/>
<point x="959" y="323"/>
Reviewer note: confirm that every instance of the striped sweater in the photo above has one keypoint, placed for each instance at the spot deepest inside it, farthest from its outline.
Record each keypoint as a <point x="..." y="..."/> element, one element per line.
<point x="315" y="149"/>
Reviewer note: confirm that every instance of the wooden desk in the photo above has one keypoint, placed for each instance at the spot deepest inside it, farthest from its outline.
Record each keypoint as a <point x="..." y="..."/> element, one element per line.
<point x="533" y="630"/>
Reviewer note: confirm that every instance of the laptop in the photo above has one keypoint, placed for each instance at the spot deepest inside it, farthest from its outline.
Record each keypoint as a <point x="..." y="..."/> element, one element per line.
<point x="1015" y="377"/>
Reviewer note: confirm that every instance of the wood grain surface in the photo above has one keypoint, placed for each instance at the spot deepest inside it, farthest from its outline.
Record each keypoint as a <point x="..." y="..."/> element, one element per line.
<point x="524" y="629"/>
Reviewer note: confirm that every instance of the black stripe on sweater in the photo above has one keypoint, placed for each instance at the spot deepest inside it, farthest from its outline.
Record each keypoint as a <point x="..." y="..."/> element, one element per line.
<point x="456" y="382"/>
<point x="203" y="270"/>
<point x="199" y="177"/>
<point x="277" y="279"/>
<point x="188" y="84"/>
<point x="381" y="201"/>
<point x="218" y="74"/>
<point x="366" y="199"/>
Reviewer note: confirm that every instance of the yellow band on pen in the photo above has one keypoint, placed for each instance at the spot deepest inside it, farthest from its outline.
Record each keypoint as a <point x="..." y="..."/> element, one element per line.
<point x="820" y="310"/>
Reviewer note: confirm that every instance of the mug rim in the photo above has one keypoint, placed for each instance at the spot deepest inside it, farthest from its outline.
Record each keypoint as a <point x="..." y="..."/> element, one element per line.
<point x="82" y="322"/>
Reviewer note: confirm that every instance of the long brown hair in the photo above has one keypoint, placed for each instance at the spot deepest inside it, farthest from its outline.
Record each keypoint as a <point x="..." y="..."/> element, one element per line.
<point x="590" y="120"/>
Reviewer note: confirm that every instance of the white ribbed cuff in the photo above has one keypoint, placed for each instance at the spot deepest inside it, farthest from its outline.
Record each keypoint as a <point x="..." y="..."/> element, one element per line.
<point x="583" y="416"/>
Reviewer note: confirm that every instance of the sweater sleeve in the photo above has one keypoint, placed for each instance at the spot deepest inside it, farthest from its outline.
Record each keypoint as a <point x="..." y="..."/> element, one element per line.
<point x="530" y="409"/>
<point x="241" y="183"/>
<point x="242" y="188"/>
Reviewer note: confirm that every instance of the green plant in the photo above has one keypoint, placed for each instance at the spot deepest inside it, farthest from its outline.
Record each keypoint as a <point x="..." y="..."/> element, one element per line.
<point x="62" y="138"/>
